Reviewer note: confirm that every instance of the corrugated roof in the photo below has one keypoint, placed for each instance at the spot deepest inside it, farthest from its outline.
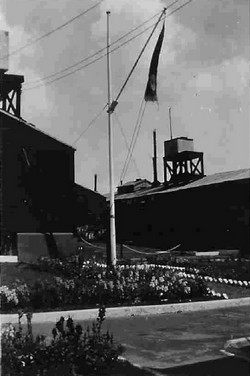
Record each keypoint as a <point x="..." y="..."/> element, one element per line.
<point x="218" y="178"/>
<point x="22" y="121"/>
<point x="134" y="182"/>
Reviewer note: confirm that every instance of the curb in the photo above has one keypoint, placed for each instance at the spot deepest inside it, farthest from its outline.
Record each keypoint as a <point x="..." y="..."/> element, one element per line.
<point x="121" y="312"/>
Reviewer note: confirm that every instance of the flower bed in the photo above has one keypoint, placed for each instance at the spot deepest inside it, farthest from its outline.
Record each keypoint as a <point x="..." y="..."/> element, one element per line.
<point x="225" y="269"/>
<point x="87" y="284"/>
<point x="208" y="278"/>
<point x="72" y="351"/>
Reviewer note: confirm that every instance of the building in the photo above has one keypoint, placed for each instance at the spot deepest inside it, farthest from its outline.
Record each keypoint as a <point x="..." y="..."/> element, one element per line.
<point x="197" y="211"/>
<point x="40" y="203"/>
<point x="37" y="178"/>
<point x="90" y="207"/>
<point x="133" y="186"/>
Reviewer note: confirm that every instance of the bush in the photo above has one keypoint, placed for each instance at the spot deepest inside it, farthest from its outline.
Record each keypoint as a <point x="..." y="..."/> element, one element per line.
<point x="72" y="351"/>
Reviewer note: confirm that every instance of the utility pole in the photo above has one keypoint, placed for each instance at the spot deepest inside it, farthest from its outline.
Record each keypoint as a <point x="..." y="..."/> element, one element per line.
<point x="112" y="257"/>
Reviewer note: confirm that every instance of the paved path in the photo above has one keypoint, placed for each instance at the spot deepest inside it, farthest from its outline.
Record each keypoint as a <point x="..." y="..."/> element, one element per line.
<point x="171" y="339"/>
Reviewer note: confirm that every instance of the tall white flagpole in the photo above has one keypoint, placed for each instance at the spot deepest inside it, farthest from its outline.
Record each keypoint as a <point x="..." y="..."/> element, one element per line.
<point x="110" y="143"/>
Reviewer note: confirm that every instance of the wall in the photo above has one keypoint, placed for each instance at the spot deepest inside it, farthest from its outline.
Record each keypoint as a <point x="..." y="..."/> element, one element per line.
<point x="36" y="198"/>
<point x="90" y="207"/>
<point x="204" y="218"/>
<point x="1" y="188"/>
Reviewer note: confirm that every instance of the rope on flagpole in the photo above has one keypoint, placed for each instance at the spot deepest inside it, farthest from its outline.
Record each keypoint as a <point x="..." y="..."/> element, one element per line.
<point x="152" y="253"/>
<point x="135" y="139"/>
<point x="134" y="250"/>
<point x="94" y="246"/>
<point x="132" y="139"/>
<point x="126" y="142"/>
<point x="90" y="124"/>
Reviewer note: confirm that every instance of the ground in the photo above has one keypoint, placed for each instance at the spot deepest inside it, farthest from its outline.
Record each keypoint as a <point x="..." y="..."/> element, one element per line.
<point x="161" y="341"/>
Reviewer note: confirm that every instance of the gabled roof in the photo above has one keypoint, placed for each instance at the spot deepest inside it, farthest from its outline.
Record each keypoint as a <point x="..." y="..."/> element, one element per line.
<point x="218" y="178"/>
<point x="32" y="126"/>
<point x="81" y="189"/>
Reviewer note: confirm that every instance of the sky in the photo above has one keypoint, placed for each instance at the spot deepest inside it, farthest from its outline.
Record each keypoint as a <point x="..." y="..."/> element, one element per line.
<point x="203" y="75"/>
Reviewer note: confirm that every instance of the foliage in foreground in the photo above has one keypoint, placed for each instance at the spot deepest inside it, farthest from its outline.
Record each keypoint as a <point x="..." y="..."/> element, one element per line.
<point x="72" y="351"/>
<point x="88" y="284"/>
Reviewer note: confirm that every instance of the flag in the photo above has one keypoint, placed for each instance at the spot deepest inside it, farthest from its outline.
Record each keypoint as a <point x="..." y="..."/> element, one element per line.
<point x="151" y="89"/>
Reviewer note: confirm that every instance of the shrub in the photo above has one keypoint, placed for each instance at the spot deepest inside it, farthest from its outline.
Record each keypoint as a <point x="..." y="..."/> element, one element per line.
<point x="72" y="351"/>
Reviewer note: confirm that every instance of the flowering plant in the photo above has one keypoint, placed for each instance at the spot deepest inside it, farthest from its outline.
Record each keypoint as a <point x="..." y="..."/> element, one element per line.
<point x="72" y="351"/>
<point x="87" y="284"/>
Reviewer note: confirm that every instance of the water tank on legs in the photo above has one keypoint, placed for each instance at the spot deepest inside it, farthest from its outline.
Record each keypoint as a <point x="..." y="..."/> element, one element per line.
<point x="181" y="163"/>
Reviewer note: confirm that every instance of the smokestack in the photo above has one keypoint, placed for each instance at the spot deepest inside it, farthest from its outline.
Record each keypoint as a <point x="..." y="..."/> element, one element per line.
<point x="155" y="181"/>
<point x="95" y="183"/>
<point x="4" y="51"/>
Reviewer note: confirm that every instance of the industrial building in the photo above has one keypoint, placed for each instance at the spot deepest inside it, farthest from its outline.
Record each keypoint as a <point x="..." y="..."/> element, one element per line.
<point x="202" y="213"/>
<point x="40" y="203"/>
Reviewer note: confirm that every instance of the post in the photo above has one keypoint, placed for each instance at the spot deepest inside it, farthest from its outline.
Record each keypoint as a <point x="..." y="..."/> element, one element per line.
<point x="110" y="142"/>
<point x="170" y="123"/>
<point x="95" y="183"/>
<point x="121" y="251"/>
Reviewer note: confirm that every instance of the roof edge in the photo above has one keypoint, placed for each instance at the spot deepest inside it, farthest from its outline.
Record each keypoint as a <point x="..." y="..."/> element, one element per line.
<point x="28" y="124"/>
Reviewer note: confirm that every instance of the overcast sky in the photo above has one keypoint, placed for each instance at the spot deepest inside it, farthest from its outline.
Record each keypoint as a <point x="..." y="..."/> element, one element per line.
<point x="203" y="75"/>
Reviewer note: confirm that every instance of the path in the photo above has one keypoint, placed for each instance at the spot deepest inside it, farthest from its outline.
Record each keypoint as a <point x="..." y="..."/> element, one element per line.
<point x="166" y="340"/>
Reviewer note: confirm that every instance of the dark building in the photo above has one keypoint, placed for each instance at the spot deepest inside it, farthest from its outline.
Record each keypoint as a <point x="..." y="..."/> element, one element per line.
<point x="40" y="204"/>
<point x="209" y="213"/>
<point x="133" y="186"/>
<point x="197" y="211"/>
<point x="90" y="207"/>
<point x="36" y="180"/>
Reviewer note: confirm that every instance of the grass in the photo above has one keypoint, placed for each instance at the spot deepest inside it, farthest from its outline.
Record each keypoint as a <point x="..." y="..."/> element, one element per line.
<point x="232" y="292"/>
<point x="21" y="273"/>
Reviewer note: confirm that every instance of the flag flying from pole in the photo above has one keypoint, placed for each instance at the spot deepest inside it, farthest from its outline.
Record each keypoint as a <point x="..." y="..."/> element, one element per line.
<point x="151" y="89"/>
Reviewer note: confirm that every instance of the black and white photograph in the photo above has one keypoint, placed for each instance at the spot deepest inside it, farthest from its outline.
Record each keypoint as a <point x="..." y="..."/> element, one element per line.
<point x="124" y="188"/>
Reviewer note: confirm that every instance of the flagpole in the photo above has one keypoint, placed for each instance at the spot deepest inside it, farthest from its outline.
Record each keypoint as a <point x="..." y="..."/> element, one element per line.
<point x="112" y="258"/>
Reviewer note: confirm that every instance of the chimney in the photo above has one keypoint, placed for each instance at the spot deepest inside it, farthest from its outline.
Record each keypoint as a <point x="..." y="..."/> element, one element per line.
<point x="155" y="179"/>
<point x="95" y="183"/>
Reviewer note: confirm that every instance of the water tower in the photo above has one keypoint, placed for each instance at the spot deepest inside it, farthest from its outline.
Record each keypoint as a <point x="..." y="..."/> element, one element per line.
<point x="181" y="163"/>
<point x="10" y="84"/>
